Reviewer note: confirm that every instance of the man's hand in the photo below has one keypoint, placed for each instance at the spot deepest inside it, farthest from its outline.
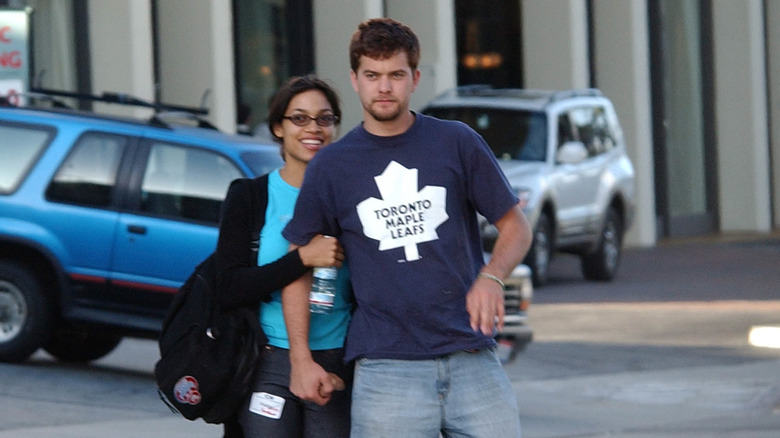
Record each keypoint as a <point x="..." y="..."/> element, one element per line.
<point x="485" y="304"/>
<point x="309" y="381"/>
<point x="485" y="299"/>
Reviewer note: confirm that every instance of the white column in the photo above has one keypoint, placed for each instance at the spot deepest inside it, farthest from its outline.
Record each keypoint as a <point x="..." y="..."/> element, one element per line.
<point x="773" y="49"/>
<point x="555" y="44"/>
<point x="623" y="74"/>
<point x="434" y="23"/>
<point x="196" y="57"/>
<point x="334" y="24"/>
<point x="740" y="117"/>
<point x="121" y="52"/>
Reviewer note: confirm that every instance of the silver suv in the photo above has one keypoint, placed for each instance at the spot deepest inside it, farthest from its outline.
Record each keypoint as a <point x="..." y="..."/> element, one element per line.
<point x="563" y="152"/>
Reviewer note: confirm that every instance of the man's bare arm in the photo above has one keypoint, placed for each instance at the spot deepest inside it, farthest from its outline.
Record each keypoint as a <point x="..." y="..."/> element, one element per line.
<point x="485" y="300"/>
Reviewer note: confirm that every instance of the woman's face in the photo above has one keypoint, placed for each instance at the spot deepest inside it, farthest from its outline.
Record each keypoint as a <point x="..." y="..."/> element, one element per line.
<point x="301" y="143"/>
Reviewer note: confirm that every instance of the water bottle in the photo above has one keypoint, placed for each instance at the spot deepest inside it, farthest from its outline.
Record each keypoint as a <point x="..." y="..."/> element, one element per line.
<point x="323" y="290"/>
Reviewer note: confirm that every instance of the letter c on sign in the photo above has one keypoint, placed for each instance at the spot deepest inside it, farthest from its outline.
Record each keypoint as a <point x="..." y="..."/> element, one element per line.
<point x="3" y="31"/>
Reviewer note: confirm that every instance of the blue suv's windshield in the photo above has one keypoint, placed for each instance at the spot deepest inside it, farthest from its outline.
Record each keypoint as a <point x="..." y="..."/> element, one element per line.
<point x="262" y="162"/>
<point x="511" y="134"/>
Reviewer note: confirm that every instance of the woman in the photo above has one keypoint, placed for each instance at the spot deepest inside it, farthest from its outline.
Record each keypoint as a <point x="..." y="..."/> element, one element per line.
<point x="303" y="117"/>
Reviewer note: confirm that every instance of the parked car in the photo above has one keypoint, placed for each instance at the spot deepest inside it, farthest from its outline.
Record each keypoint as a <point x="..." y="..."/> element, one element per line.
<point x="102" y="219"/>
<point x="564" y="153"/>
<point x="517" y="332"/>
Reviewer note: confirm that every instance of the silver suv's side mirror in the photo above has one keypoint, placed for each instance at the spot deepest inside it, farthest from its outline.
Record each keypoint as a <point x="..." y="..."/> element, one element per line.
<point x="571" y="152"/>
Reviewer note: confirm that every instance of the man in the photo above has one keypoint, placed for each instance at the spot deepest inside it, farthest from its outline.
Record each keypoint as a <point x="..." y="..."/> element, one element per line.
<point x="401" y="192"/>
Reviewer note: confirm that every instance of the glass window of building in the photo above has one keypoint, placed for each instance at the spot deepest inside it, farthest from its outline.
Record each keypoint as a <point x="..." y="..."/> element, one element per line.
<point x="274" y="41"/>
<point x="489" y="42"/>
<point x="59" y="43"/>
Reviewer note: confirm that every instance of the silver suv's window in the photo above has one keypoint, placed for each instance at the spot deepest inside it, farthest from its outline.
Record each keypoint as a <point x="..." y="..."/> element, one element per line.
<point x="88" y="175"/>
<point x="588" y="125"/>
<point x="182" y="182"/>
<point x="511" y="134"/>
<point x="20" y="147"/>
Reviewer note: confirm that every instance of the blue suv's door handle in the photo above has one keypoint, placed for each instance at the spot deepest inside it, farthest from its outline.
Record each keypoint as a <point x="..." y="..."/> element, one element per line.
<point x="136" y="229"/>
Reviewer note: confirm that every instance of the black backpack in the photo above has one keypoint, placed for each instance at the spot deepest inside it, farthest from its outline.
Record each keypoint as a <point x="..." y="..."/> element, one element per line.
<point x="208" y="356"/>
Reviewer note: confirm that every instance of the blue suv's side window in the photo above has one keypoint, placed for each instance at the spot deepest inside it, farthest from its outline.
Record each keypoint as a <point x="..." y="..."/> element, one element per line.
<point x="20" y="147"/>
<point x="88" y="175"/>
<point x="184" y="182"/>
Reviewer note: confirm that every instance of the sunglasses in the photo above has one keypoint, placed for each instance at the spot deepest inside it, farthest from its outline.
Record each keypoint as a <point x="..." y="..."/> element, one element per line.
<point x="323" y="120"/>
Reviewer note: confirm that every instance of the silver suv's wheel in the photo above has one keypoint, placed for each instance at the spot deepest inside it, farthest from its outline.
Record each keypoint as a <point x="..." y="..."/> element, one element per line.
<point x="602" y="264"/>
<point x="25" y="316"/>
<point x="540" y="254"/>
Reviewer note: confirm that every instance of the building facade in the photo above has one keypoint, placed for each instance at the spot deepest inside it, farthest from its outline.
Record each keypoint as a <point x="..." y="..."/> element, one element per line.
<point x="696" y="83"/>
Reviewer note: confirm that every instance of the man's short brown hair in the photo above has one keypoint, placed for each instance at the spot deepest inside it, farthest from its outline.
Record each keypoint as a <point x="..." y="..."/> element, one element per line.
<point x="381" y="38"/>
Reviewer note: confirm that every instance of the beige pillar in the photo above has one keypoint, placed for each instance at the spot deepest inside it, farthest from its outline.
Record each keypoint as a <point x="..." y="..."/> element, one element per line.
<point x="334" y="24"/>
<point x="773" y="50"/>
<point x="434" y="25"/>
<point x="623" y="73"/>
<point x="196" y="57"/>
<point x="121" y="51"/>
<point x="741" y="117"/>
<point x="555" y="44"/>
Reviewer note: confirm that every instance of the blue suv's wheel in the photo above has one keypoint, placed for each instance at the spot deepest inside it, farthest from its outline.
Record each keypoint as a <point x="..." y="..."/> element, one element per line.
<point x="71" y="345"/>
<point x="25" y="314"/>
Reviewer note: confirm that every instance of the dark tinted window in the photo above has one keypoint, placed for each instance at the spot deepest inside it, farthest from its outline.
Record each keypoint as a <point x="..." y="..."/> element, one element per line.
<point x="88" y="175"/>
<point x="513" y="135"/>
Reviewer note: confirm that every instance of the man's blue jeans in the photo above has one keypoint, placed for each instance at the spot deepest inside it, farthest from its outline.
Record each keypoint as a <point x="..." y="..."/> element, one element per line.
<point x="464" y="394"/>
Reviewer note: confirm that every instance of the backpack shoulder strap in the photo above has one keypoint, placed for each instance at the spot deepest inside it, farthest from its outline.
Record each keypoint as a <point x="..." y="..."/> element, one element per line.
<point x="258" y="189"/>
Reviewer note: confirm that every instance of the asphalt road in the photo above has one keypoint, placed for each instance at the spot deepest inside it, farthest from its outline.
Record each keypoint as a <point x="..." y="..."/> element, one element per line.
<point x="660" y="352"/>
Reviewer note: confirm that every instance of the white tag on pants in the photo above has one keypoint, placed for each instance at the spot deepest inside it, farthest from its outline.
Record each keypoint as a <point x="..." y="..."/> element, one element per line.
<point x="267" y="405"/>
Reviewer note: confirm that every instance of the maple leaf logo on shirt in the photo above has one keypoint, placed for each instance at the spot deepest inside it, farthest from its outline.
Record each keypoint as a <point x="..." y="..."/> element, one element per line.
<point x="404" y="217"/>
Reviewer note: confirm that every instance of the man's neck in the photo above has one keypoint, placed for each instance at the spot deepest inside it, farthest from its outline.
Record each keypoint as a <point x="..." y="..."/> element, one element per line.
<point x="388" y="128"/>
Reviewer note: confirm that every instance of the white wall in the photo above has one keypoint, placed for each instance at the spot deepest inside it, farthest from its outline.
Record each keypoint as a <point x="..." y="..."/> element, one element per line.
<point x="773" y="49"/>
<point x="121" y="51"/>
<point x="623" y="74"/>
<point x="434" y="23"/>
<point x="196" y="56"/>
<point x="334" y="24"/>
<point x="555" y="44"/>
<point x="740" y="116"/>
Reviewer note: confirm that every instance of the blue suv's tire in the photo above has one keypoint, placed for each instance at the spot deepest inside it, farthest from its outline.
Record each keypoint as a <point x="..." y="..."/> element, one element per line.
<point x="25" y="312"/>
<point x="72" y="345"/>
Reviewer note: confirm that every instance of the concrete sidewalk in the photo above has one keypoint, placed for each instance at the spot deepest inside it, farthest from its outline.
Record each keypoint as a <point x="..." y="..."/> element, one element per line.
<point x="713" y="402"/>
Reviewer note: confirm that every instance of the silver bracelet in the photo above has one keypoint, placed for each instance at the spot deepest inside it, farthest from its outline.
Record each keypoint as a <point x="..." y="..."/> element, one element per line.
<point x="492" y="277"/>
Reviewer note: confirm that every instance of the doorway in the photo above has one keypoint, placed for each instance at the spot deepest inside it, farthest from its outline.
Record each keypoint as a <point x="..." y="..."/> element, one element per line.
<point x="683" y="117"/>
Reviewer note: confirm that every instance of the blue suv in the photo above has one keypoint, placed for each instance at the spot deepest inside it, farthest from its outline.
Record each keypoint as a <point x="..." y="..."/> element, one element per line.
<point x="101" y="219"/>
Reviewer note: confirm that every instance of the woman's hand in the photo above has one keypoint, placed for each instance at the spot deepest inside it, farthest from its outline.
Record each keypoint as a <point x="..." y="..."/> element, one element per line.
<point x="322" y="251"/>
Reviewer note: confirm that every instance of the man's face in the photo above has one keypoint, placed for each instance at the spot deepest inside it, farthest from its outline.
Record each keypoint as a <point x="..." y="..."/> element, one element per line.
<point x="385" y="86"/>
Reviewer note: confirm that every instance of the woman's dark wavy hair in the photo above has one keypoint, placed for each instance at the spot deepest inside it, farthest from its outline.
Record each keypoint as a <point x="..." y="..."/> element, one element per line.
<point x="293" y="87"/>
<point x="381" y="38"/>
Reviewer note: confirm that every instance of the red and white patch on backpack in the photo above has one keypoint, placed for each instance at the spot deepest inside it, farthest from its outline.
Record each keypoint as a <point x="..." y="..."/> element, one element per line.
<point x="186" y="390"/>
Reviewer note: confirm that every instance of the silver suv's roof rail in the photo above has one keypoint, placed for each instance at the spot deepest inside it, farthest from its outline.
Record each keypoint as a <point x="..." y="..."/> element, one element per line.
<point x="485" y="90"/>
